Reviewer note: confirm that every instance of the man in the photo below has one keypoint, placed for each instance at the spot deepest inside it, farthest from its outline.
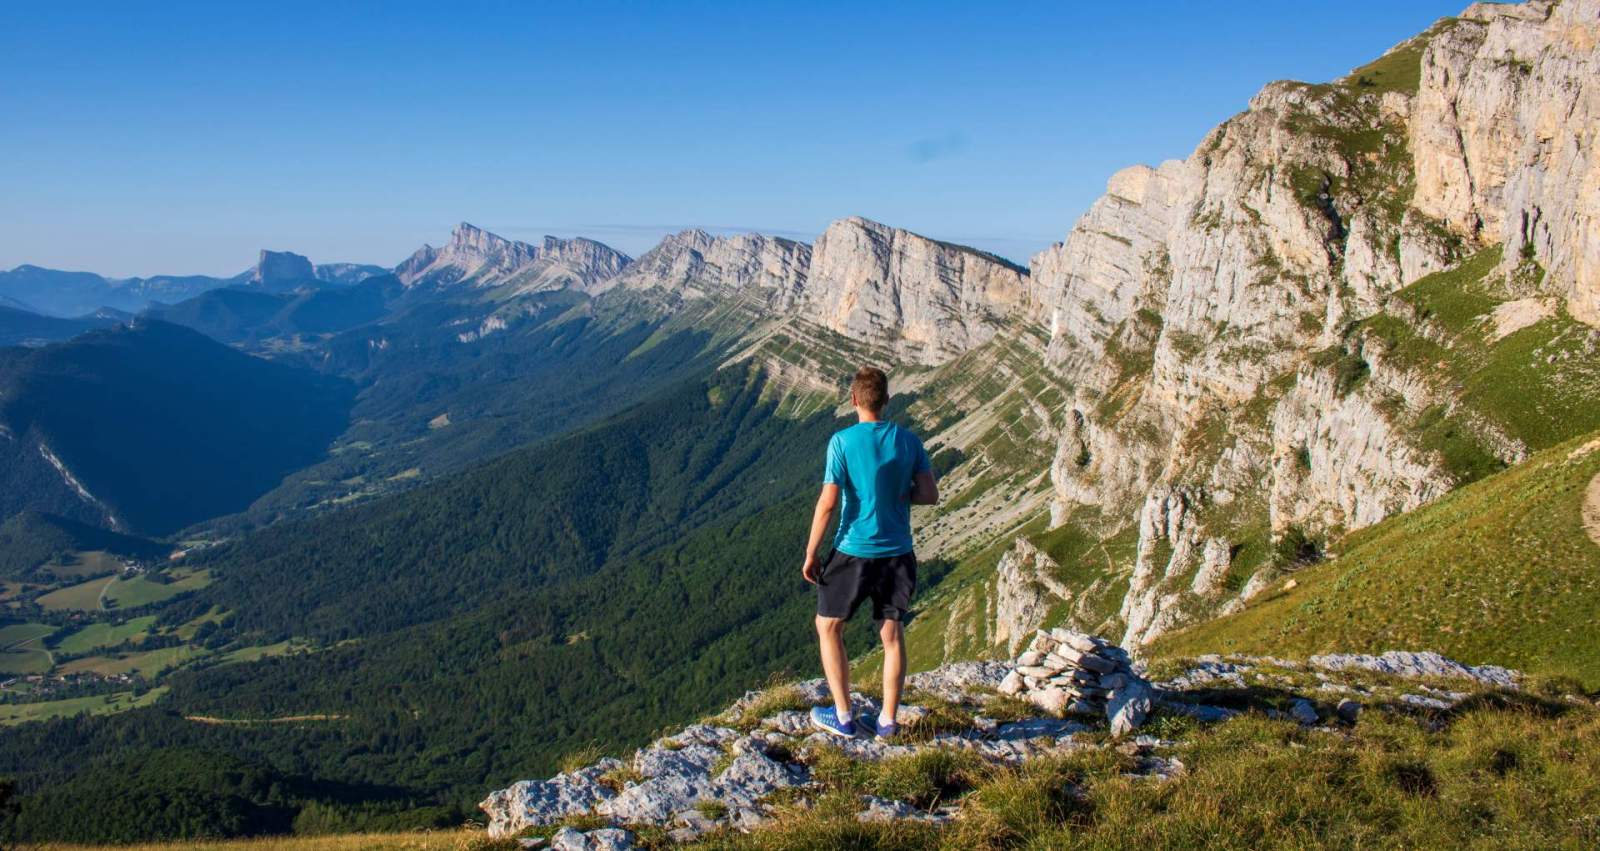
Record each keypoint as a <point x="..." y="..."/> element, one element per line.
<point x="875" y="472"/>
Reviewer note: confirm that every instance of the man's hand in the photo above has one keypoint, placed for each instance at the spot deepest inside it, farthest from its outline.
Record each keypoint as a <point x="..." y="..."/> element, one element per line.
<point x="809" y="570"/>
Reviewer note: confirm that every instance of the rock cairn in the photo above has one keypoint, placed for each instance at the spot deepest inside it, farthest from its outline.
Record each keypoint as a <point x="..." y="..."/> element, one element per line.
<point x="1070" y="673"/>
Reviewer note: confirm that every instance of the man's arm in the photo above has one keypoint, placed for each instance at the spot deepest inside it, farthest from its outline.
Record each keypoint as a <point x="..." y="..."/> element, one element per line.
<point x="924" y="489"/>
<point x="821" y="519"/>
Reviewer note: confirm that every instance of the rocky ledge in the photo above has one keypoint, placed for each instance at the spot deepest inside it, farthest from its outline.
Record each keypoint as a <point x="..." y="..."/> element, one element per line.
<point x="1068" y="691"/>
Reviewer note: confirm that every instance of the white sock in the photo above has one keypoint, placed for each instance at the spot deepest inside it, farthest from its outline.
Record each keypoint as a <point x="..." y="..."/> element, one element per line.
<point x="885" y="719"/>
<point x="844" y="715"/>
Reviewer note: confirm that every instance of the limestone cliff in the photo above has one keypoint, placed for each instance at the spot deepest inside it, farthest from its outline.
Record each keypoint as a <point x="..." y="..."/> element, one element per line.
<point x="1284" y="336"/>
<point x="475" y="257"/>
<point x="926" y="300"/>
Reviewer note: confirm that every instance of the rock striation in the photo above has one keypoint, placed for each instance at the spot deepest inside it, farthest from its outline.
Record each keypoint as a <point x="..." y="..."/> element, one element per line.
<point x="924" y="300"/>
<point x="1220" y="321"/>
<point x="694" y="264"/>
<point x="475" y="257"/>
<point x="1505" y="131"/>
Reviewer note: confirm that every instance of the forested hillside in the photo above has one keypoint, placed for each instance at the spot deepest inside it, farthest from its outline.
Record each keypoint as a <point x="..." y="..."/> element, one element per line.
<point x="474" y="630"/>
<point x="152" y="427"/>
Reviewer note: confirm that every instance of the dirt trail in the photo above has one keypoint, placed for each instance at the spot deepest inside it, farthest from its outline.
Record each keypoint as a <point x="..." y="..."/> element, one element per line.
<point x="1591" y="509"/>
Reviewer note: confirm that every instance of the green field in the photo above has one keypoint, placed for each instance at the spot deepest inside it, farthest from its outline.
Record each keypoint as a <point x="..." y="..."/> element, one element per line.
<point x="24" y="660"/>
<point x="20" y="652"/>
<point x="146" y="664"/>
<point x="91" y="563"/>
<point x="251" y="654"/>
<point x="16" y="713"/>
<point x="84" y="597"/>
<point x="104" y="635"/>
<point x="1501" y="571"/>
<point x="18" y="632"/>
<point x="140" y="591"/>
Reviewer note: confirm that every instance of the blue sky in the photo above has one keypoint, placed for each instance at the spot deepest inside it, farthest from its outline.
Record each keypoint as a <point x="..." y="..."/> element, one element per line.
<point x="181" y="137"/>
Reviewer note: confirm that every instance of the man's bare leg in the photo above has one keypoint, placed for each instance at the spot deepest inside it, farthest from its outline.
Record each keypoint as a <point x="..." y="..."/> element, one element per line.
<point x="894" y="667"/>
<point x="835" y="665"/>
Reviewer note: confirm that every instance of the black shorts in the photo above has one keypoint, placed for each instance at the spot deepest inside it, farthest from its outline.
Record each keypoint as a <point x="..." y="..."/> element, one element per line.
<point x="847" y="581"/>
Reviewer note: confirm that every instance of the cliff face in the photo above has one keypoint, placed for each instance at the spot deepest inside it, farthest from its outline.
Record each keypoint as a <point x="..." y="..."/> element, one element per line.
<point x="694" y="264"/>
<point x="1284" y="336"/>
<point x="925" y="300"/>
<point x="475" y="257"/>
<point x="1504" y="135"/>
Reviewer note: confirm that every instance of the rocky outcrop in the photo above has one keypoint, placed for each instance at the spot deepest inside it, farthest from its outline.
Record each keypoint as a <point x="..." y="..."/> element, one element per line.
<point x="695" y="264"/>
<point x="1025" y="591"/>
<point x="1063" y="695"/>
<point x="924" y="300"/>
<point x="1505" y="135"/>
<point x="281" y="269"/>
<point x="348" y="273"/>
<point x="1202" y="311"/>
<point x="475" y="257"/>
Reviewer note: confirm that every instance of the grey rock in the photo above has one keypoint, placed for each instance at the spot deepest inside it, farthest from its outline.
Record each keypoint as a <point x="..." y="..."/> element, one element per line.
<point x="954" y="682"/>
<point x="658" y="799"/>
<point x="884" y="810"/>
<point x="1012" y="684"/>
<point x="790" y="721"/>
<point x="1349" y="710"/>
<point x="1034" y="728"/>
<point x="752" y="776"/>
<point x="603" y="839"/>
<point x="705" y="734"/>
<point x="1128" y="706"/>
<point x="1422" y="701"/>
<point x="530" y="803"/>
<point x="1424" y="664"/>
<point x="1304" y="712"/>
<point x="1198" y="711"/>
<point x="1052" y="700"/>
<point x="657" y="761"/>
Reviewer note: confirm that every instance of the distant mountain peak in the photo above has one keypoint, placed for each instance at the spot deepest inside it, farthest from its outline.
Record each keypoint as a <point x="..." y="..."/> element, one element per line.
<point x="479" y="258"/>
<point x="281" y="268"/>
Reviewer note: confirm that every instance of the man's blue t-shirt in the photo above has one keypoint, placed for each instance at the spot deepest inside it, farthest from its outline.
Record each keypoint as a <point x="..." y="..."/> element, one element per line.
<point x="873" y="463"/>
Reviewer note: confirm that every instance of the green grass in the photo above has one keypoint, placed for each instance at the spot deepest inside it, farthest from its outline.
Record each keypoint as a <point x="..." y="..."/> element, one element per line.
<point x="24" y="659"/>
<point x="140" y="591"/>
<point x="251" y="654"/>
<point x="98" y="635"/>
<point x="104" y="704"/>
<point x="83" y="597"/>
<point x="19" y="632"/>
<point x="1502" y="771"/>
<point x="1500" y="571"/>
<point x="79" y="565"/>
<point x="146" y="664"/>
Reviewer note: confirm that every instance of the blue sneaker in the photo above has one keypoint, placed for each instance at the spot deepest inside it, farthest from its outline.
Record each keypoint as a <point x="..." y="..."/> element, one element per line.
<point x="886" y="732"/>
<point x="826" y="719"/>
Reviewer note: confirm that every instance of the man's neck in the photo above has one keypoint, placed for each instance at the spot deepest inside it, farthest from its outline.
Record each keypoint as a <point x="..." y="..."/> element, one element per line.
<point x="867" y="416"/>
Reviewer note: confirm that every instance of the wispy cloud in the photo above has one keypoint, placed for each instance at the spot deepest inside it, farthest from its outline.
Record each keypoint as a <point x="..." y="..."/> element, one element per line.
<point x="937" y="147"/>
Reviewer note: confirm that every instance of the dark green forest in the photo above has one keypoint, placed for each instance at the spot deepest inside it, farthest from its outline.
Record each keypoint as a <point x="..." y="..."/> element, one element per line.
<point x="32" y="538"/>
<point x="163" y="425"/>
<point x="591" y="589"/>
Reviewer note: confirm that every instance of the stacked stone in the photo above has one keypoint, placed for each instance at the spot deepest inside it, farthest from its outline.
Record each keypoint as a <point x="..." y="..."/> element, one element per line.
<point x="1070" y="673"/>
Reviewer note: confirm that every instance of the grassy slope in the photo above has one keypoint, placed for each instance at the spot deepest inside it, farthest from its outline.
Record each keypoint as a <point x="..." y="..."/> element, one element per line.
<point x="1500" y="571"/>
